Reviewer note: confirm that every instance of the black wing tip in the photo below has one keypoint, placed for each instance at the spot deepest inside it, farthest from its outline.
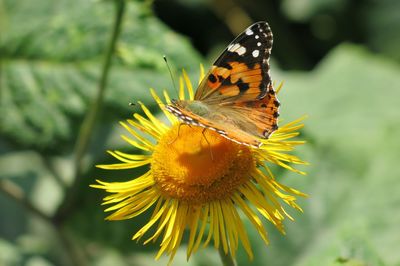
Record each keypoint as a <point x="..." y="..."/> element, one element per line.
<point x="262" y="26"/>
<point x="261" y="23"/>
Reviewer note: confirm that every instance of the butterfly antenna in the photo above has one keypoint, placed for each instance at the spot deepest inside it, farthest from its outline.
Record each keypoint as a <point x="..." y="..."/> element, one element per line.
<point x="170" y="73"/>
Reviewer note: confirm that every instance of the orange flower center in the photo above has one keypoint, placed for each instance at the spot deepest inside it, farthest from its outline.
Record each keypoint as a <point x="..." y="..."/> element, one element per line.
<point x="199" y="166"/>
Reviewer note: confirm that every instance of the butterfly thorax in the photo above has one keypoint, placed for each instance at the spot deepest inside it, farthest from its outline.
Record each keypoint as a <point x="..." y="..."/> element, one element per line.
<point x="197" y="108"/>
<point x="191" y="112"/>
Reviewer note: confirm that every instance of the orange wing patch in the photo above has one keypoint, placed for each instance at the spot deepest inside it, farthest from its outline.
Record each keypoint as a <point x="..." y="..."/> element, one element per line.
<point x="248" y="80"/>
<point x="217" y="76"/>
<point x="234" y="79"/>
<point x="265" y="113"/>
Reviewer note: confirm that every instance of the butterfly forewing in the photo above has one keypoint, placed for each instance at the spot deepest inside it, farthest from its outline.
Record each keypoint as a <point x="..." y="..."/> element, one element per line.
<point x="242" y="68"/>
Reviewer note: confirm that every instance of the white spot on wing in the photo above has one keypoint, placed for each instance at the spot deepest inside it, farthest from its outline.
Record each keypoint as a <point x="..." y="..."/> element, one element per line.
<point x="234" y="47"/>
<point x="257" y="36"/>
<point x="255" y="53"/>
<point x="249" y="32"/>
<point x="237" y="48"/>
<point x="241" y="50"/>
<point x="258" y="44"/>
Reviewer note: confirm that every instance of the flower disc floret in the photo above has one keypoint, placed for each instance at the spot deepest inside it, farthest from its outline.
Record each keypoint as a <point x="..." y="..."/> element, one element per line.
<point x="199" y="166"/>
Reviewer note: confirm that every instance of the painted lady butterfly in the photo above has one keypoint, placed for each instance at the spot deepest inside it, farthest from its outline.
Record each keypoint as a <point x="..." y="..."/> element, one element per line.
<point x="236" y="98"/>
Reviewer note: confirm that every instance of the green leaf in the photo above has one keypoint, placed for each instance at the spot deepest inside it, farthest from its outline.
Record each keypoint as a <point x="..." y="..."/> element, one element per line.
<point x="52" y="54"/>
<point x="352" y="94"/>
<point x="9" y="254"/>
<point x="352" y="131"/>
<point x="31" y="170"/>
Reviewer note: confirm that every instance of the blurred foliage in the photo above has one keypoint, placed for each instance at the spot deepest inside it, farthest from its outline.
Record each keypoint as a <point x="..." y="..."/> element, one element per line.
<point x="51" y="57"/>
<point x="340" y="63"/>
<point x="351" y="100"/>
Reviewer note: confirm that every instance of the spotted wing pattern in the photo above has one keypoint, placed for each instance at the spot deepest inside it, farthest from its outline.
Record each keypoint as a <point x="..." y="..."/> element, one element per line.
<point x="242" y="70"/>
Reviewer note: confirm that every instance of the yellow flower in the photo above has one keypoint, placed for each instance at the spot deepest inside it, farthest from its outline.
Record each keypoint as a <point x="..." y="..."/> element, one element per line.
<point x="200" y="182"/>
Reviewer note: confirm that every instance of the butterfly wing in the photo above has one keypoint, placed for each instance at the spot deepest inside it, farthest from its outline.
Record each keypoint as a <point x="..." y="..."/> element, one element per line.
<point x="243" y="122"/>
<point x="242" y="70"/>
<point x="257" y="117"/>
<point x="237" y="93"/>
<point x="240" y="84"/>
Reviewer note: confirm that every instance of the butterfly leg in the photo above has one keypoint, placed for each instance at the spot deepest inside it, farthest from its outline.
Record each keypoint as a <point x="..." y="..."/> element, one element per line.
<point x="177" y="136"/>
<point x="209" y="146"/>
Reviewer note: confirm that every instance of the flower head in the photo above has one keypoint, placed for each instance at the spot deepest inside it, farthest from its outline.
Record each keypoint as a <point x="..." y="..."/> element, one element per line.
<point x="198" y="181"/>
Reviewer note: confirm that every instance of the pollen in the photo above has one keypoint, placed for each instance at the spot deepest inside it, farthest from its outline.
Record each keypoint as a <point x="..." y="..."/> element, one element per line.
<point x="198" y="165"/>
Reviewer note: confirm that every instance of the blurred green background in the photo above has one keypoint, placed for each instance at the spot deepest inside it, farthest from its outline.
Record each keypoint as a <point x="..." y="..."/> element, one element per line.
<point x="340" y="61"/>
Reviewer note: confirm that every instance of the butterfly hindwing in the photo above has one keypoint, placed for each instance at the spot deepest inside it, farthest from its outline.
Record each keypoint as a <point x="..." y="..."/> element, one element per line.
<point x="263" y="113"/>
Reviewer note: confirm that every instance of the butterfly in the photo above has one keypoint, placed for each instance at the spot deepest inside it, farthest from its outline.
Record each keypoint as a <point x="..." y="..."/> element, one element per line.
<point x="236" y="97"/>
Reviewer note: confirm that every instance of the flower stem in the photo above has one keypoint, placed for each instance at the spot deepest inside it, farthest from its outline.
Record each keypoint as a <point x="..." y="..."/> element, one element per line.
<point x="227" y="259"/>
<point x="88" y="125"/>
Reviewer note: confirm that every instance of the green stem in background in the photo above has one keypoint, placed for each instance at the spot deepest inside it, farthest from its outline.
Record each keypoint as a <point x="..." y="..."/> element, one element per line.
<point x="16" y="193"/>
<point x="227" y="259"/>
<point x="75" y="254"/>
<point x="88" y="125"/>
